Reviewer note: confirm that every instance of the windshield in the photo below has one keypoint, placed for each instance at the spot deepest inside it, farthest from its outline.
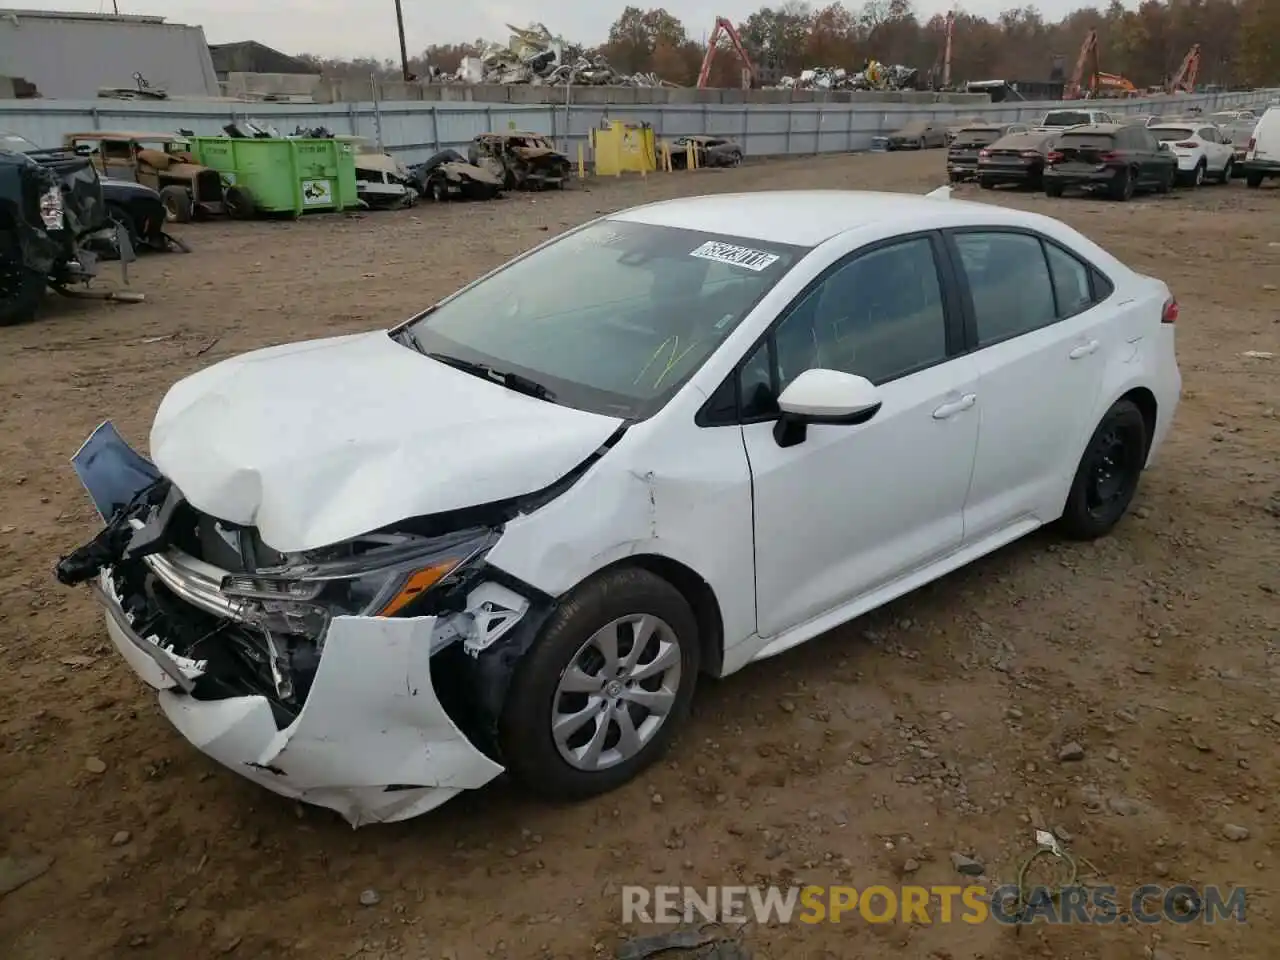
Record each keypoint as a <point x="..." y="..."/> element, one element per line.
<point x="15" y="143"/>
<point x="1064" y="118"/>
<point x="1170" y="134"/>
<point x="1224" y="117"/>
<point x="612" y="318"/>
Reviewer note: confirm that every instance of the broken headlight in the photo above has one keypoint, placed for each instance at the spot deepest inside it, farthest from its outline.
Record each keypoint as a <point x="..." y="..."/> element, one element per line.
<point x="51" y="208"/>
<point x="376" y="575"/>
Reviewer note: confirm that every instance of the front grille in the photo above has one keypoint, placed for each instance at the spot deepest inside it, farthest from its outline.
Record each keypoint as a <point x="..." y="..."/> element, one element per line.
<point x="209" y="186"/>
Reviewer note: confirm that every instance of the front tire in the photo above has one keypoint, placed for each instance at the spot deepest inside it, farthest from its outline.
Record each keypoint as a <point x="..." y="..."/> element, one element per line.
<point x="1228" y="171"/>
<point x="1253" y="180"/>
<point x="1107" y="476"/>
<point x="1053" y="190"/>
<point x="1197" y="176"/>
<point x="604" y="689"/>
<point x="177" y="203"/>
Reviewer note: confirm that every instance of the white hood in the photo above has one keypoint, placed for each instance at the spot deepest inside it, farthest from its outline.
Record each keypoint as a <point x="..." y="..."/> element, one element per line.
<point x="317" y="442"/>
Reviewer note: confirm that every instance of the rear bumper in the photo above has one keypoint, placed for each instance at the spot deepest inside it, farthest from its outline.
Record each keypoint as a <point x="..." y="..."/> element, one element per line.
<point x="1081" y="178"/>
<point x="1266" y="168"/>
<point x="1001" y="174"/>
<point x="372" y="741"/>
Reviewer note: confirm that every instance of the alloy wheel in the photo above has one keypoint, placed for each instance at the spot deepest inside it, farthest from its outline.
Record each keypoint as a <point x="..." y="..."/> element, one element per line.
<point x="616" y="693"/>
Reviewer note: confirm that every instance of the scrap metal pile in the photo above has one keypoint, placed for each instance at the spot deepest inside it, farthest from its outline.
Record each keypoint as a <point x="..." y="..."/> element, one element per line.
<point x="535" y="57"/>
<point x="876" y="76"/>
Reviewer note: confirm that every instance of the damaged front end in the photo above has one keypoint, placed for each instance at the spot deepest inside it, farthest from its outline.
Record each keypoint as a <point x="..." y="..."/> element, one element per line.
<point x="344" y="676"/>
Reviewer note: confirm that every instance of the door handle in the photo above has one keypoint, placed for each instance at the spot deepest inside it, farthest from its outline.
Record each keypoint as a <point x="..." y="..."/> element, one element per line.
<point x="955" y="406"/>
<point x="1083" y="350"/>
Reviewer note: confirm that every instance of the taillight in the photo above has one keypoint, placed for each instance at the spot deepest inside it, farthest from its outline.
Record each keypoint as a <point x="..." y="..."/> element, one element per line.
<point x="1053" y="156"/>
<point x="1108" y="157"/>
<point x="1187" y="144"/>
<point x="983" y="154"/>
<point x="1170" y="314"/>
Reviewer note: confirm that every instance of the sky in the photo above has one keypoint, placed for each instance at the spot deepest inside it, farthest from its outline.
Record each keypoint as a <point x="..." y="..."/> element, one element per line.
<point x="355" y="28"/>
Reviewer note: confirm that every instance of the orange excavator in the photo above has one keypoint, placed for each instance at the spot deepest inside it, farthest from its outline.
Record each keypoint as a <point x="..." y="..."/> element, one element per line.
<point x="724" y="27"/>
<point x="1087" y="81"/>
<point x="1184" y="81"/>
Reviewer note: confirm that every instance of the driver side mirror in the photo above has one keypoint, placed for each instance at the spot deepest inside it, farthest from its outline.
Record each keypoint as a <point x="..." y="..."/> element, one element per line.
<point x="824" y="397"/>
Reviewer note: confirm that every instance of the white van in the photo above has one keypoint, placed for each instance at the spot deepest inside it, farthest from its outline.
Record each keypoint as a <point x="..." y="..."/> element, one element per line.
<point x="1262" y="158"/>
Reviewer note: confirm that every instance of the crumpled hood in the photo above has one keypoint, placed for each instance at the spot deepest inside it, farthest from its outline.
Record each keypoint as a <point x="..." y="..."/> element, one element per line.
<point x="320" y="441"/>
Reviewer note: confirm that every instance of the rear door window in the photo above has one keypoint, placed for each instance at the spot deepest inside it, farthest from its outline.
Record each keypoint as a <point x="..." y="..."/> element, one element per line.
<point x="1009" y="283"/>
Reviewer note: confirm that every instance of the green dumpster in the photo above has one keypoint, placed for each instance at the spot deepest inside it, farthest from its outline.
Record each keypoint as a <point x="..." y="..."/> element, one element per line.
<point x="284" y="175"/>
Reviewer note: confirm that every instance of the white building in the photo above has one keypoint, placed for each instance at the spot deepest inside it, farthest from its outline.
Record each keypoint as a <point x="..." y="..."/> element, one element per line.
<point x="74" y="55"/>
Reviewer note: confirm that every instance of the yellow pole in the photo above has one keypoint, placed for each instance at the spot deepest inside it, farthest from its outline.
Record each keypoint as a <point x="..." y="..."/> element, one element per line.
<point x="582" y="163"/>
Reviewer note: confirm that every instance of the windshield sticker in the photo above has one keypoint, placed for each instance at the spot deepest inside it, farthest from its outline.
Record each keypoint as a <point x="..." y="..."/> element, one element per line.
<point x="736" y="256"/>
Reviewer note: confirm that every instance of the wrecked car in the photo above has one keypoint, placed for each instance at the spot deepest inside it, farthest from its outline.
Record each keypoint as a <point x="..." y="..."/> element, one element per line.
<point x="914" y="135"/>
<point x="163" y="162"/>
<point x="708" y="151"/>
<point x="133" y="206"/>
<point x="447" y="176"/>
<point x="373" y="571"/>
<point x="520" y="160"/>
<point x="382" y="181"/>
<point x="51" y="214"/>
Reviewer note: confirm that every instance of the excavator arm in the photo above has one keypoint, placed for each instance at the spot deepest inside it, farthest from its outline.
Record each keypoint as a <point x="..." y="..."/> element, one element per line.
<point x="1088" y="57"/>
<point x="724" y="27"/>
<point x="1185" y="79"/>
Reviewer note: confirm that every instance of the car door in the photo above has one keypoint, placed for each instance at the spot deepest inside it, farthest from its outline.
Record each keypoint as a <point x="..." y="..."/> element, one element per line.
<point x="1040" y="345"/>
<point x="1216" y="152"/>
<point x="852" y="508"/>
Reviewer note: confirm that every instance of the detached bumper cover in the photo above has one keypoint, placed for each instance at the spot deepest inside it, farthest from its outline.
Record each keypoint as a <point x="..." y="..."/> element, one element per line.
<point x="372" y="740"/>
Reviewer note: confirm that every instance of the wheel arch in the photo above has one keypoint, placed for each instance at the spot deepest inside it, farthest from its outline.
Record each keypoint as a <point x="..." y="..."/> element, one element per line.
<point x="1145" y="401"/>
<point x="697" y="593"/>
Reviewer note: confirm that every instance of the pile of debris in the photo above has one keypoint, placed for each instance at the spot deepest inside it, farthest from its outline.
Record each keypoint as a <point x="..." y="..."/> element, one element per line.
<point x="535" y="57"/>
<point x="876" y="76"/>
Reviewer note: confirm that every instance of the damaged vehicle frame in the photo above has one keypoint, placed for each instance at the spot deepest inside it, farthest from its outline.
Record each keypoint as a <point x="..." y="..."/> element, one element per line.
<point x="373" y="571"/>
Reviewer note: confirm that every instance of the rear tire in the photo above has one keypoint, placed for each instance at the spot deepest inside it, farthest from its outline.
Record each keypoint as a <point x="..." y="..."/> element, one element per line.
<point x="1108" y="474"/>
<point x="1253" y="179"/>
<point x="986" y="185"/>
<point x="1053" y="190"/>
<point x="537" y="699"/>
<point x="1197" y="175"/>
<point x="1165" y="184"/>
<point x="1122" y="188"/>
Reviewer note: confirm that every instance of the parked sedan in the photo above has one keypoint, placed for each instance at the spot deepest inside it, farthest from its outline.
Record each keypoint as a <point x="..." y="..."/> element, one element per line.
<point x="1202" y="151"/>
<point x="962" y="155"/>
<point x="1116" y="159"/>
<point x="1017" y="159"/>
<point x="515" y="531"/>
<point x="915" y="135"/>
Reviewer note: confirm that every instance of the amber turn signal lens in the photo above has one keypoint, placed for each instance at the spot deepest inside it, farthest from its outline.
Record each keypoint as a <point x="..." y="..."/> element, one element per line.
<point x="419" y="582"/>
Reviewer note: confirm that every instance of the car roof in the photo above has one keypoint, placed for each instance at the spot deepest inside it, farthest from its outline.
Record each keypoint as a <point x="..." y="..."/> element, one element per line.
<point x="123" y="135"/>
<point x="808" y="217"/>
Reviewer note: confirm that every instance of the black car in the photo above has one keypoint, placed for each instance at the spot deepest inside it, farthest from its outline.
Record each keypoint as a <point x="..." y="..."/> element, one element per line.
<point x="51" y="211"/>
<point x="134" y="206"/>
<point x="1016" y="159"/>
<point x="1116" y="159"/>
<point x="962" y="154"/>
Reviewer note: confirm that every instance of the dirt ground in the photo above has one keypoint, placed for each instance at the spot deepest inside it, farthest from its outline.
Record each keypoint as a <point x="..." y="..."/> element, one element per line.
<point x="869" y="756"/>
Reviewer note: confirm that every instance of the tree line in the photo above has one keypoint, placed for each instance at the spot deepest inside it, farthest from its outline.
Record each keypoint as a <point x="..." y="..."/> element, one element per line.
<point x="1239" y="43"/>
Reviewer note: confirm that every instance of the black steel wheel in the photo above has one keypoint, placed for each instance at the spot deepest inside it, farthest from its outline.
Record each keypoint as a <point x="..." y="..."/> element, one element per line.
<point x="1108" y="474"/>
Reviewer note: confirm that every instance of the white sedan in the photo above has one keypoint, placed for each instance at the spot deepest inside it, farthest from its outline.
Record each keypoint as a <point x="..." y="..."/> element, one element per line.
<point x="374" y="571"/>
<point x="1202" y="149"/>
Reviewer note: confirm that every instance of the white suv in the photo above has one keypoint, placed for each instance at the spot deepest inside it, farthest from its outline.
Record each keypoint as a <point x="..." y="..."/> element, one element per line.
<point x="1202" y="149"/>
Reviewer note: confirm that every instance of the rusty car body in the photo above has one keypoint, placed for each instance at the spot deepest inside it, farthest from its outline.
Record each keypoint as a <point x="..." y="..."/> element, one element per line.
<point x="709" y="151"/>
<point x="448" y="176"/>
<point x="520" y="159"/>
<point x="161" y="161"/>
